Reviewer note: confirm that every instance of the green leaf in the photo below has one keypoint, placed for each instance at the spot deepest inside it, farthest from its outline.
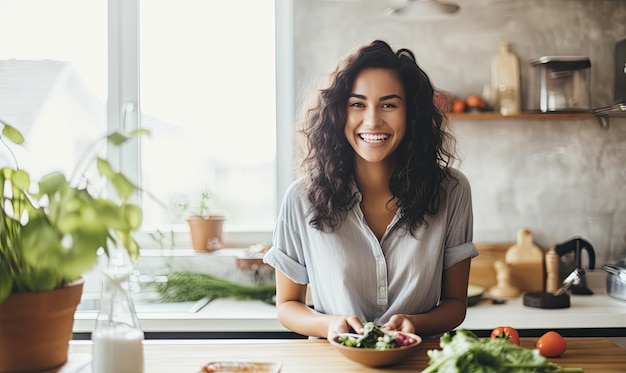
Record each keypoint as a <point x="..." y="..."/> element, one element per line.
<point x="41" y="278"/>
<point x="117" y="138"/>
<point x="133" y="248"/>
<point x="52" y="183"/>
<point x="20" y="179"/>
<point x="11" y="133"/>
<point x="110" y="215"/>
<point x="69" y="222"/>
<point x="134" y="216"/>
<point x="89" y="241"/>
<point x="40" y="243"/>
<point x="140" y="132"/>
<point x="80" y="257"/>
<point x="123" y="186"/>
<point x="104" y="168"/>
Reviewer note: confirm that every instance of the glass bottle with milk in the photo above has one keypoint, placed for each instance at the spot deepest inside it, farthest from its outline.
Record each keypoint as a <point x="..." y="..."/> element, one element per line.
<point x="117" y="337"/>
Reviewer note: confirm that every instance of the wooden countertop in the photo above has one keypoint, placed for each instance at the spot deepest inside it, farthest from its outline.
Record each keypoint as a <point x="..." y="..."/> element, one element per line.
<point x="318" y="356"/>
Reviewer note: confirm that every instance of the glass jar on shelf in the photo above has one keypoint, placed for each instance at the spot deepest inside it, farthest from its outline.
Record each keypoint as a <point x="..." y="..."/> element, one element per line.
<point x="507" y="100"/>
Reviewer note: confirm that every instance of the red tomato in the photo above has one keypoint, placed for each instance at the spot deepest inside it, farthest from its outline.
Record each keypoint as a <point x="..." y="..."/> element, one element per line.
<point x="506" y="332"/>
<point x="551" y="344"/>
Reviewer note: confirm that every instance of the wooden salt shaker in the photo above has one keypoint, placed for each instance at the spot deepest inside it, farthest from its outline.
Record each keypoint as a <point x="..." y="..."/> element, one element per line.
<point x="503" y="287"/>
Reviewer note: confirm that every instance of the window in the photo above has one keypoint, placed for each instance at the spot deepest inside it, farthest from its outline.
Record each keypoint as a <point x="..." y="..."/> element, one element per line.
<point x="53" y="79"/>
<point x="207" y="93"/>
<point x="182" y="69"/>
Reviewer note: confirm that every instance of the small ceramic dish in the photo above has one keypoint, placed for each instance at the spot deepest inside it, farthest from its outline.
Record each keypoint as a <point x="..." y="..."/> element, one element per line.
<point x="240" y="367"/>
<point x="372" y="357"/>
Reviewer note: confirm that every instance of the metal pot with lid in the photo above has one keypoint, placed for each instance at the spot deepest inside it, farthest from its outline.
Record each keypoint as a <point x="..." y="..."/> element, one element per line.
<point x="616" y="279"/>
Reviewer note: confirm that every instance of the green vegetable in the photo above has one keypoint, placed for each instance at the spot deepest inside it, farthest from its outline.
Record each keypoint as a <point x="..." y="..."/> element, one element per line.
<point x="371" y="333"/>
<point x="347" y="340"/>
<point x="372" y="337"/>
<point x="189" y="286"/>
<point x="465" y="352"/>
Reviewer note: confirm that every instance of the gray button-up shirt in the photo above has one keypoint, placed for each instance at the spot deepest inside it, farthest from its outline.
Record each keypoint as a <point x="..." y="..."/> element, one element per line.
<point x="350" y="273"/>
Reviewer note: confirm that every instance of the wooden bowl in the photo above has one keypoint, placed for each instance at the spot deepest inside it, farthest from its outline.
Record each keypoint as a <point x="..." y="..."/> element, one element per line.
<point x="377" y="358"/>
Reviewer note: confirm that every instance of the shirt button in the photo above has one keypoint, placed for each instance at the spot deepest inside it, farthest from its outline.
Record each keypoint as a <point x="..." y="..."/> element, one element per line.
<point x="382" y="288"/>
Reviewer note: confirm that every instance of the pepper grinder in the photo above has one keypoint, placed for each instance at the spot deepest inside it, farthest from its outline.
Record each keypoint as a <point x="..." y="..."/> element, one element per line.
<point x="552" y="271"/>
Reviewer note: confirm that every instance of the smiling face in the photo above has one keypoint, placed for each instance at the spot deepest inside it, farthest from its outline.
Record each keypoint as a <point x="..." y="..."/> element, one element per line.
<point x="376" y="115"/>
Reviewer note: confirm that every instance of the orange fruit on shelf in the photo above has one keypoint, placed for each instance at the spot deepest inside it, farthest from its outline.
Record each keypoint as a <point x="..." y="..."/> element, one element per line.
<point x="474" y="101"/>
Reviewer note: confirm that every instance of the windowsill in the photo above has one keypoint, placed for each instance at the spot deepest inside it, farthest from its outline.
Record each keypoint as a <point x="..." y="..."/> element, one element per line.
<point x="219" y="315"/>
<point x="152" y="263"/>
<point x="233" y="237"/>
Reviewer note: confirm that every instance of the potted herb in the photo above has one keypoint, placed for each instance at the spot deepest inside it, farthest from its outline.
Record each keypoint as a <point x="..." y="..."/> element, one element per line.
<point x="205" y="227"/>
<point x="52" y="230"/>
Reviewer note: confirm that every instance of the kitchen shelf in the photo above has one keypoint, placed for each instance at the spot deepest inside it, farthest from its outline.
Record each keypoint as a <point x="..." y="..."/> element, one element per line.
<point x="531" y="116"/>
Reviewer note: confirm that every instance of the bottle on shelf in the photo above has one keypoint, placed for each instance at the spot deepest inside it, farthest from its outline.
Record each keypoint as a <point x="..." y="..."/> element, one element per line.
<point x="505" y="80"/>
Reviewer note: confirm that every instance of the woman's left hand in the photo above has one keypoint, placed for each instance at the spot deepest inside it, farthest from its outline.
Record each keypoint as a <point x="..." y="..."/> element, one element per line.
<point x="344" y="324"/>
<point x="400" y="323"/>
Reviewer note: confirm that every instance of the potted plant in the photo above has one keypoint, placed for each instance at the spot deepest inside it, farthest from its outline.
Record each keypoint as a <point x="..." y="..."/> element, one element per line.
<point x="51" y="233"/>
<point x="205" y="227"/>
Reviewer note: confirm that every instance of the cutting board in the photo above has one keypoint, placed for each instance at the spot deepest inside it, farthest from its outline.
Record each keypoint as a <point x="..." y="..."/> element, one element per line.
<point x="526" y="262"/>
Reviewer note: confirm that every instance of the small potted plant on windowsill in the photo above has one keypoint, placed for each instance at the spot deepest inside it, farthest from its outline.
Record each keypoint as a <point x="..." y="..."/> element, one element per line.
<point x="51" y="232"/>
<point x="205" y="227"/>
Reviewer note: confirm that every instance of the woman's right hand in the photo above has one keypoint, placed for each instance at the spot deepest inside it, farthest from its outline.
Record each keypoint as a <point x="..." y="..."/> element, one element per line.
<point x="344" y="324"/>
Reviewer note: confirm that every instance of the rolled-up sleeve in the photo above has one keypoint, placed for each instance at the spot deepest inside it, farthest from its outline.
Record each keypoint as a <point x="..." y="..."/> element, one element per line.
<point x="459" y="253"/>
<point x="460" y="223"/>
<point x="284" y="263"/>
<point x="287" y="254"/>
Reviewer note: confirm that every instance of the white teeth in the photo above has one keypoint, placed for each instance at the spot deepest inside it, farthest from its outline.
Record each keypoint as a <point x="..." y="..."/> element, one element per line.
<point x="373" y="138"/>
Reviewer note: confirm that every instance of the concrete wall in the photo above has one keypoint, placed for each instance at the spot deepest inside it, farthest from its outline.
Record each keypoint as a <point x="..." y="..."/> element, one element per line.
<point x="558" y="178"/>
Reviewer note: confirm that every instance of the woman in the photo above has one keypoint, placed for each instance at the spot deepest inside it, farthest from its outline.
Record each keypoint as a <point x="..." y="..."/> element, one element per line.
<point x="380" y="226"/>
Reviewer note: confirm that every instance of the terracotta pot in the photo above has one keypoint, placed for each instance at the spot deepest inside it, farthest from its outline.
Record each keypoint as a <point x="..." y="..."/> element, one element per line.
<point x="206" y="232"/>
<point x="35" y="329"/>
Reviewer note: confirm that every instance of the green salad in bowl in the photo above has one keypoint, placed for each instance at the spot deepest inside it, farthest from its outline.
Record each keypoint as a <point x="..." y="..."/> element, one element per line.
<point x="375" y="338"/>
<point x="375" y="347"/>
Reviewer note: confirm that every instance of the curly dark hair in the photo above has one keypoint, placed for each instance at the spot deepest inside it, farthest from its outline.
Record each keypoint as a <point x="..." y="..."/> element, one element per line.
<point x="424" y="156"/>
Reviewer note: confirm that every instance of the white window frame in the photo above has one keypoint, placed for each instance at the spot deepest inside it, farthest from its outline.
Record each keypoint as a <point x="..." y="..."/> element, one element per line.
<point x="124" y="111"/>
